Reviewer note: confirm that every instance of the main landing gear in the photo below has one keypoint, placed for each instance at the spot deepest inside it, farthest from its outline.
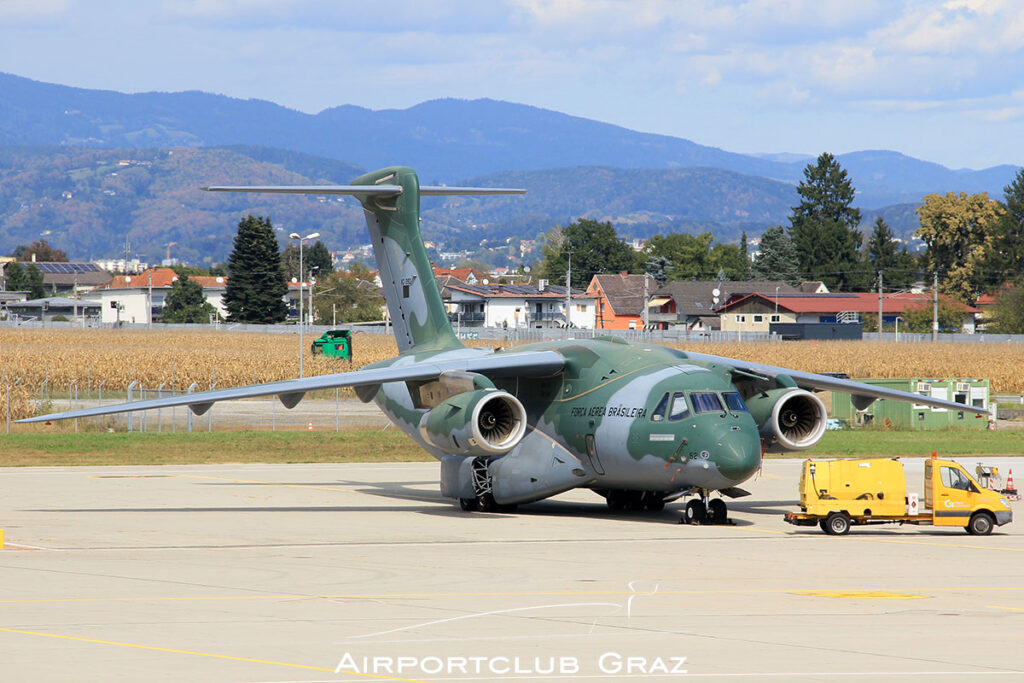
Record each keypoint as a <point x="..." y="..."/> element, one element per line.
<point x="705" y="510"/>
<point x="483" y="501"/>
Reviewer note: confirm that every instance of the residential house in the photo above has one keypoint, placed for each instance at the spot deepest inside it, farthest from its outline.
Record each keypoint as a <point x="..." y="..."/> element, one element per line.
<point x="620" y="300"/>
<point x="691" y="304"/>
<point x="141" y="298"/>
<point x="514" y="306"/>
<point x="755" y="312"/>
<point x="467" y="275"/>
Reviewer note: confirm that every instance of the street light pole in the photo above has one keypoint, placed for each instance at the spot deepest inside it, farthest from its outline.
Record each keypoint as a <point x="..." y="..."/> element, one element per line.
<point x="296" y="236"/>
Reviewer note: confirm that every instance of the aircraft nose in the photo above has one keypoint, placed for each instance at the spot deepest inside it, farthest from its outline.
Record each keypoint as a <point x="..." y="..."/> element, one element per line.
<point x="738" y="454"/>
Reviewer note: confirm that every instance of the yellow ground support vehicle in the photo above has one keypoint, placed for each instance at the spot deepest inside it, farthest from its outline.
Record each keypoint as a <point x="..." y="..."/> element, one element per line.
<point x="836" y="494"/>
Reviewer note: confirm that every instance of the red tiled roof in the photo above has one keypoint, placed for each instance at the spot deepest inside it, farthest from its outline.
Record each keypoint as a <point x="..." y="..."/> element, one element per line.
<point x="162" y="277"/>
<point x="860" y="302"/>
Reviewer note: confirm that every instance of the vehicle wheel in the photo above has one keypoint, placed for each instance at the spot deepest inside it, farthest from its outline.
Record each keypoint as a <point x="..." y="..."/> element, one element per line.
<point x="717" y="511"/>
<point x="837" y="523"/>
<point x="696" y="513"/>
<point x="314" y="349"/>
<point x="981" y="524"/>
<point x="823" y="525"/>
<point x="467" y="504"/>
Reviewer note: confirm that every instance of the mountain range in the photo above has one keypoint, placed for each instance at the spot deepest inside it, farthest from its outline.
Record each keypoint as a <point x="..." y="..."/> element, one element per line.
<point x="572" y="166"/>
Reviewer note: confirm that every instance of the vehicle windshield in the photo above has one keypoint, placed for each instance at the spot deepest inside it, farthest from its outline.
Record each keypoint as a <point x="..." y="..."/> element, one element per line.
<point x="706" y="402"/>
<point x="735" y="402"/>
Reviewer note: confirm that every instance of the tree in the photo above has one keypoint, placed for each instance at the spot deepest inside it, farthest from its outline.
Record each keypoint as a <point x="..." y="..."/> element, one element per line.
<point x="919" y="318"/>
<point x="1008" y="312"/>
<point x="824" y="227"/>
<point x="42" y="251"/>
<point x="20" y="278"/>
<point x="1006" y="260"/>
<point x="886" y="255"/>
<point x="957" y="231"/>
<point x="658" y="267"/>
<point x="777" y="258"/>
<point x="186" y="303"/>
<point x="315" y="259"/>
<point x="347" y="297"/>
<point x="595" y="249"/>
<point x="256" y="287"/>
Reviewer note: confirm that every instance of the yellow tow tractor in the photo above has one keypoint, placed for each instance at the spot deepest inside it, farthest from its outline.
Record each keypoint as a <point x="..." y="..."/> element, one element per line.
<point x="835" y="494"/>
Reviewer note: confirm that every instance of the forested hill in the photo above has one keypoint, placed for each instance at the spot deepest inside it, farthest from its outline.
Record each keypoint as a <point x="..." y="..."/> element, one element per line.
<point x="89" y="201"/>
<point x="444" y="140"/>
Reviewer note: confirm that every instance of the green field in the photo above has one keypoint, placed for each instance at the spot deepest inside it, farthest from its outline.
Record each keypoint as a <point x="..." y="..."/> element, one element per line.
<point x="391" y="445"/>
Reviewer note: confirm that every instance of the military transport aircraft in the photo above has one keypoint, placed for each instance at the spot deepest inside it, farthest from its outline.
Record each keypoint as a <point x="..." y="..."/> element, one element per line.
<point x="639" y="424"/>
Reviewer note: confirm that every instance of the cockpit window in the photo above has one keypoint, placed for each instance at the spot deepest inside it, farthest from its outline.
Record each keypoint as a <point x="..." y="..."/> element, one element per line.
<point x="706" y="402"/>
<point x="735" y="402"/>
<point x="679" y="407"/>
<point x="659" y="413"/>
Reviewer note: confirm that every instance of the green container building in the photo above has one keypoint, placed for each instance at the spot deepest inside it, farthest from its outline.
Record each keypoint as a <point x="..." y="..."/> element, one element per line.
<point x="973" y="392"/>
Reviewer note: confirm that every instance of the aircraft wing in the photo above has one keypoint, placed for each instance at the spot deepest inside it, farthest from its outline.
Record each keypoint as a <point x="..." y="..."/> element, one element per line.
<point x="506" y="364"/>
<point x="863" y="394"/>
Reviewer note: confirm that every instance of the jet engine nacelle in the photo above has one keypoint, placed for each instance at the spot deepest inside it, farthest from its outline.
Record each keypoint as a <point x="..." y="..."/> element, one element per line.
<point x="790" y="419"/>
<point x="484" y="422"/>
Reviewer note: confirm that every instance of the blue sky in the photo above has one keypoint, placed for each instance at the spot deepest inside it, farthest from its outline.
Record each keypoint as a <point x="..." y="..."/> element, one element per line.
<point x="940" y="80"/>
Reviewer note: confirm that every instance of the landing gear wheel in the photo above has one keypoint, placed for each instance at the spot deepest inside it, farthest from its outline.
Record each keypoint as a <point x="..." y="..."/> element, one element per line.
<point x="485" y="503"/>
<point x="837" y="524"/>
<point x="467" y="504"/>
<point x="717" y="511"/>
<point x="696" y="513"/>
<point x="980" y="525"/>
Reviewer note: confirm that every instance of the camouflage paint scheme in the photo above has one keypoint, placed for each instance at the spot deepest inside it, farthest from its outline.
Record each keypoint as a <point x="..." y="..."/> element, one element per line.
<point x="640" y="424"/>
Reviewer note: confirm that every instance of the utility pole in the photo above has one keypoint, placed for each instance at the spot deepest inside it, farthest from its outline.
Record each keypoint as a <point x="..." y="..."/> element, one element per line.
<point x="935" y="308"/>
<point x="879" y="305"/>
<point x="301" y="239"/>
<point x="149" y="301"/>
<point x="568" y="296"/>
<point x="645" y="314"/>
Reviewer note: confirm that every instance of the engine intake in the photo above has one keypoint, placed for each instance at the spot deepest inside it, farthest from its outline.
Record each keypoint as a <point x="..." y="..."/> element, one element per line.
<point x="476" y="423"/>
<point x="790" y="419"/>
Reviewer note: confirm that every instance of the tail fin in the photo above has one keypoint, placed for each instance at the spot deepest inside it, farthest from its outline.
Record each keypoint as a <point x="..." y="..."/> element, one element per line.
<point x="414" y="300"/>
<point x="391" y="200"/>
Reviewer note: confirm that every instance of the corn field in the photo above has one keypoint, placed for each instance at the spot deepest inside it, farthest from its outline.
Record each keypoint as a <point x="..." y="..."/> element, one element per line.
<point x="38" y="361"/>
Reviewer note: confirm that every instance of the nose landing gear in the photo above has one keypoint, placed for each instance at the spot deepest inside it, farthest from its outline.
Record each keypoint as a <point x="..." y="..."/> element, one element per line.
<point x="705" y="510"/>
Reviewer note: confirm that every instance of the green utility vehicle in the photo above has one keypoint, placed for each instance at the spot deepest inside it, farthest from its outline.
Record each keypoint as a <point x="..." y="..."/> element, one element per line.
<point x="334" y="344"/>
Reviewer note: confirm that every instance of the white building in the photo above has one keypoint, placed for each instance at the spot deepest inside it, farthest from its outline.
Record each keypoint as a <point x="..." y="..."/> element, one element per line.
<point x="140" y="298"/>
<point x="514" y="306"/>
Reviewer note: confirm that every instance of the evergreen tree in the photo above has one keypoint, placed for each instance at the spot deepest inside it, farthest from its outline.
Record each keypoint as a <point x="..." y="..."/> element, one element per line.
<point x="658" y="267"/>
<point x="1006" y="261"/>
<point x="25" y="278"/>
<point x="186" y="303"/>
<point x="886" y="255"/>
<point x="824" y="227"/>
<point x="595" y="249"/>
<point x="256" y="287"/>
<point x="315" y="259"/>
<point x="1008" y="312"/>
<point x="777" y="258"/>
